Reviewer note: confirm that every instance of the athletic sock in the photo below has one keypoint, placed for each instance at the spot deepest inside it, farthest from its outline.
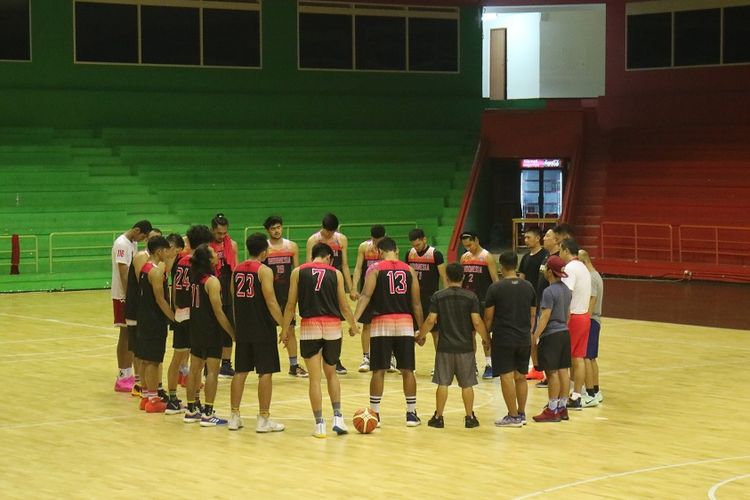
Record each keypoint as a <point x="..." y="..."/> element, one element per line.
<point x="191" y="406"/>
<point x="263" y="413"/>
<point x="208" y="409"/>
<point x="411" y="403"/>
<point x="173" y="395"/>
<point x="336" y="409"/>
<point x="488" y="360"/>
<point x="375" y="403"/>
<point x="236" y="411"/>
<point x="591" y="392"/>
<point x="293" y="360"/>
<point x="563" y="402"/>
<point x="225" y="362"/>
<point x="552" y="404"/>
<point x="318" y="416"/>
<point x="596" y="389"/>
<point x="366" y="355"/>
<point x="575" y="396"/>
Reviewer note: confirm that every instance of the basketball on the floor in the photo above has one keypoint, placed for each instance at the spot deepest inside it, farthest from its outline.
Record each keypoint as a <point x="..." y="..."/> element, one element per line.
<point x="365" y="420"/>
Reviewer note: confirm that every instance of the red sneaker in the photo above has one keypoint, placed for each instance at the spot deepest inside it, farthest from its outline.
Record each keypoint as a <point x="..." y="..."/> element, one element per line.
<point x="535" y="375"/>
<point x="547" y="416"/>
<point x="142" y="404"/>
<point x="155" y="405"/>
<point x="563" y="414"/>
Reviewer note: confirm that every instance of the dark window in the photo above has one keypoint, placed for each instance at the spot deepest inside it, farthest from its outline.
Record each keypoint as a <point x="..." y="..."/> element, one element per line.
<point x="170" y="35"/>
<point x="381" y="42"/>
<point x="737" y="34"/>
<point x="106" y="33"/>
<point x="231" y="37"/>
<point x="650" y="40"/>
<point x="697" y="37"/>
<point x="433" y="44"/>
<point x="325" y="41"/>
<point x="15" y="37"/>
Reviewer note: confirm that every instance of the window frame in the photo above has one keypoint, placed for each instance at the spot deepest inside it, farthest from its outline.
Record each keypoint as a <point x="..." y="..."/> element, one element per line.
<point x="31" y="44"/>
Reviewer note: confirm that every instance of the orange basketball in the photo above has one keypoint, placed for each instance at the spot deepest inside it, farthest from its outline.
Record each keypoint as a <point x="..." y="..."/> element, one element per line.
<point x="365" y="420"/>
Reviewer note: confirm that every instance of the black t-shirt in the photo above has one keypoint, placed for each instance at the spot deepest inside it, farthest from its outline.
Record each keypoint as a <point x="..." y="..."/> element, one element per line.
<point x="318" y="290"/>
<point x="253" y="320"/>
<point x="131" y="295"/>
<point x="530" y="265"/>
<point x="542" y="282"/>
<point x="454" y="306"/>
<point x="512" y="299"/>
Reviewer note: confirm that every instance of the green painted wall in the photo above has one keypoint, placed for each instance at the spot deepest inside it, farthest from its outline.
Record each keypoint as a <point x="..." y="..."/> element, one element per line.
<point x="52" y="91"/>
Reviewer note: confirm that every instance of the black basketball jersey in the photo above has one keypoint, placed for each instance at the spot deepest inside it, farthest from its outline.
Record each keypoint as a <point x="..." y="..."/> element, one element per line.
<point x="150" y="317"/>
<point x="204" y="327"/>
<point x="335" y="244"/>
<point x="131" y="295"/>
<point x="476" y="273"/>
<point x="223" y="272"/>
<point x="426" y="264"/>
<point x="392" y="288"/>
<point x="372" y="257"/>
<point x="181" y="282"/>
<point x="318" y="291"/>
<point x="252" y="319"/>
<point x="281" y="262"/>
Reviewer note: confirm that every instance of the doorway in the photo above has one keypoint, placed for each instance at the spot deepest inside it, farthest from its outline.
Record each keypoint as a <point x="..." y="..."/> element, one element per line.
<point x="498" y="64"/>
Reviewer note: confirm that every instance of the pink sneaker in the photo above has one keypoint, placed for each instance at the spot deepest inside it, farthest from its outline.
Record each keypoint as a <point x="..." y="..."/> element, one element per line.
<point x="125" y="384"/>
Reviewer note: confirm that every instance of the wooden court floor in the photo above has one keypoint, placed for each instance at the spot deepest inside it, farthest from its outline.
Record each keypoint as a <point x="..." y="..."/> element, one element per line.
<point x="673" y="425"/>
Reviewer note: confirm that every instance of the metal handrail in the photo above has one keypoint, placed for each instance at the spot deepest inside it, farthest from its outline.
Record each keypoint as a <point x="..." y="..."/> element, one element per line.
<point x="21" y="237"/>
<point x="682" y="239"/>
<point x="635" y="237"/>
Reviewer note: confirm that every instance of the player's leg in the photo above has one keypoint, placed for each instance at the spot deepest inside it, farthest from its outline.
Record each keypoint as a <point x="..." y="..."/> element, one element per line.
<point x="266" y="361"/>
<point x="593" y="394"/>
<point x="125" y="379"/>
<point x="226" y="370"/>
<point x="312" y="354"/>
<point x="243" y="365"/>
<point x="403" y="351"/>
<point x="380" y="360"/>
<point x="330" y="353"/>
<point x="508" y="387"/>
<point x="521" y="367"/>
<point x="466" y="375"/>
<point x="197" y="361"/>
<point x="179" y="358"/>
<point x="213" y="364"/>
<point x="294" y="368"/>
<point x="365" y="338"/>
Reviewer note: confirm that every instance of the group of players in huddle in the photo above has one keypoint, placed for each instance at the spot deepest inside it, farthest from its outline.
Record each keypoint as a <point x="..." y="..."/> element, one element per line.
<point x="216" y="302"/>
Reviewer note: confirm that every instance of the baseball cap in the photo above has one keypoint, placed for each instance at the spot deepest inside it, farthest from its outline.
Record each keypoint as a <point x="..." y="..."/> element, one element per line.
<point x="556" y="264"/>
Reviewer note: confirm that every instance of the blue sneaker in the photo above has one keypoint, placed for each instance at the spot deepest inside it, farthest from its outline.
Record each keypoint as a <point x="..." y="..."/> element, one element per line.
<point x="508" y="421"/>
<point x="522" y="416"/>
<point x="487" y="372"/>
<point x="412" y="420"/>
<point x="211" y="420"/>
<point x="192" y="416"/>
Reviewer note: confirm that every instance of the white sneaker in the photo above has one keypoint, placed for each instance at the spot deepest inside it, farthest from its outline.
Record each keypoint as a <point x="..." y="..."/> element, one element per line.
<point x="599" y="397"/>
<point x="267" y="425"/>
<point x="339" y="426"/>
<point x="235" y="422"/>
<point x="365" y="365"/>
<point x="392" y="368"/>
<point x="320" y="430"/>
<point x="589" y="401"/>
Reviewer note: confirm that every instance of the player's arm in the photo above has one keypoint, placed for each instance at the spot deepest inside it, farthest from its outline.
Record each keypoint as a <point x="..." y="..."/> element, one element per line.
<point x="489" y="315"/>
<point x="541" y="324"/>
<point x="295" y="255"/>
<point x="139" y="260"/>
<point x="522" y="267"/>
<point x="441" y="272"/>
<point x="265" y="275"/>
<point x="592" y="304"/>
<point x="476" y="320"/>
<point x="233" y="264"/>
<point x="123" y="270"/>
<point x="492" y="268"/>
<point x="213" y="289"/>
<point x="308" y="249"/>
<point x="367" y="290"/>
<point x="357" y="271"/>
<point x="345" y="262"/>
<point x="416" y="301"/>
<point x="344" y="305"/>
<point x="291" y="303"/>
<point x="156" y="278"/>
<point x="427" y="326"/>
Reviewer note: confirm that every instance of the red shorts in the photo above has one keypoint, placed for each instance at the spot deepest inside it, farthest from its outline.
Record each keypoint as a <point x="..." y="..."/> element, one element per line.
<point x="118" y="306"/>
<point x="579" y="325"/>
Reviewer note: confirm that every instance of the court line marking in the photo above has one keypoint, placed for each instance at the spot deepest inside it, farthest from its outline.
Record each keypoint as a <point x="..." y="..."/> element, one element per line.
<point x="55" y="339"/>
<point x="53" y="359"/>
<point x="630" y="473"/>
<point x="712" y="491"/>
<point x="56" y="321"/>
<point x="55" y="353"/>
<point x="69" y="421"/>
<point x="683" y="342"/>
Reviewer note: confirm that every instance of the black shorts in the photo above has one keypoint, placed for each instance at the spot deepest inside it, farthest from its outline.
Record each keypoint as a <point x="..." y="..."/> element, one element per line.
<point x="226" y="340"/>
<point x="366" y="317"/>
<point x="402" y="347"/>
<point x="151" y="345"/>
<point x="553" y="352"/>
<point x="206" y="352"/>
<point x="181" y="335"/>
<point x="132" y="338"/>
<point x="331" y="349"/>
<point x="263" y="357"/>
<point x="508" y="357"/>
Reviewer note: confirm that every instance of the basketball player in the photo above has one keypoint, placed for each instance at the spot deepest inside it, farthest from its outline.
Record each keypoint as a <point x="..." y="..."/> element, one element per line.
<point x="593" y="391"/>
<point x="207" y="323"/>
<point x="153" y="314"/>
<point x="319" y="289"/>
<point x="393" y="288"/>
<point x="226" y="252"/>
<point x="579" y="281"/>
<point x="367" y="255"/>
<point x="509" y="310"/>
<point x="123" y="249"/>
<point x="531" y="263"/>
<point x="550" y="344"/>
<point x="457" y="310"/>
<point x="329" y="235"/>
<point x="196" y="236"/>
<point x="256" y="314"/>
<point x="480" y="271"/>
<point x="429" y="264"/>
<point x="283" y="256"/>
<point x="552" y="247"/>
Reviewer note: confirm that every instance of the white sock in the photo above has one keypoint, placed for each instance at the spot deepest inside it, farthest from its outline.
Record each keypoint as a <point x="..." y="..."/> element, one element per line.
<point x="488" y="360"/>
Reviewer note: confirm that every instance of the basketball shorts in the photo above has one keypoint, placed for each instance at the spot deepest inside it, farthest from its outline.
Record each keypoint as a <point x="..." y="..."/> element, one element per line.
<point x="461" y="365"/>
<point x="320" y="327"/>
<point x="181" y="335"/>
<point x="206" y="345"/>
<point x="507" y="358"/>
<point x="132" y="338"/>
<point x="226" y="340"/>
<point x="401" y="347"/>
<point x="553" y="351"/>
<point x="206" y="352"/>
<point x="261" y="357"/>
<point x="592" y="349"/>
<point x="366" y="317"/>
<point x="118" y="307"/>
<point x="151" y="344"/>
<point x="578" y="326"/>
<point x="425" y="312"/>
<point x="330" y="349"/>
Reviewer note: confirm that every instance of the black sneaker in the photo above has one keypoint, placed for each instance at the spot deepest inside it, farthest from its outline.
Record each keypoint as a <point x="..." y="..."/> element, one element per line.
<point x="340" y="368"/>
<point x="412" y="420"/>
<point x="436" y="421"/>
<point x="575" y="404"/>
<point x="471" y="421"/>
<point x="543" y="384"/>
<point x="297" y="371"/>
<point x="174" y="407"/>
<point x="226" y="371"/>
<point x="163" y="395"/>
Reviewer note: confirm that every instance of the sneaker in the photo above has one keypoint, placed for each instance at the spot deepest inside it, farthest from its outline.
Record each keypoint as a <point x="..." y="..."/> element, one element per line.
<point x="211" y="420"/>
<point x="563" y="414"/>
<point x="508" y="421"/>
<point x="377" y="415"/>
<point x="535" y="374"/>
<point x="124" y="384"/>
<point x="547" y="416"/>
<point x="589" y="401"/>
<point x="136" y="391"/>
<point x="297" y="371"/>
<point x="412" y="420"/>
<point x="265" y="424"/>
<point x="142" y="403"/>
<point x="487" y="375"/>
<point x="319" y="431"/>
<point x="192" y="416"/>
<point x="575" y="404"/>
<point x="339" y="426"/>
<point x="543" y="384"/>
<point x="522" y="416"/>
<point x="163" y="395"/>
<point x="340" y="368"/>
<point x="436" y="421"/>
<point x="392" y="368"/>
<point x="174" y="407"/>
<point x="226" y="371"/>
<point x="599" y="397"/>
<point x="365" y="365"/>
<point x="235" y="422"/>
<point x="470" y="421"/>
<point x="155" y="405"/>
